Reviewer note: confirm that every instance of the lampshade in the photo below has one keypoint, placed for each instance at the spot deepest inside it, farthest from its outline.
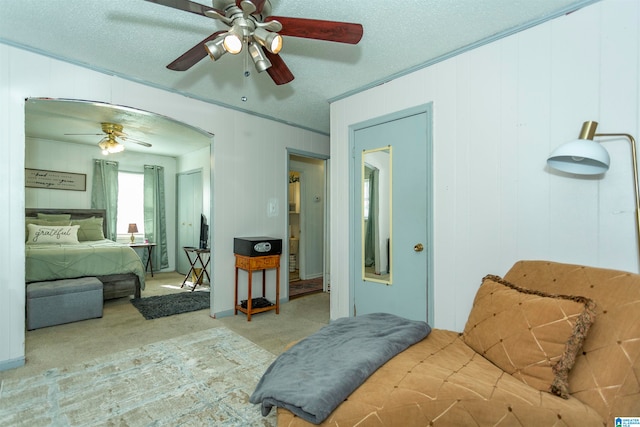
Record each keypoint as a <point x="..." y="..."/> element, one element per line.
<point x="271" y="41"/>
<point x="232" y="42"/>
<point x="259" y="60"/>
<point x="109" y="145"/>
<point x="215" y="48"/>
<point x="582" y="156"/>
<point x="133" y="228"/>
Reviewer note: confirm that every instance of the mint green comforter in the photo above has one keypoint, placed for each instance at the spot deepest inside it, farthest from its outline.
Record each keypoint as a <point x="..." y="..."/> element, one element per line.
<point x="91" y="258"/>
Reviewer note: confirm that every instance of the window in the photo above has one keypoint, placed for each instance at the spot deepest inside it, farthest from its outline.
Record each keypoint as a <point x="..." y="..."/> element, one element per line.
<point x="130" y="201"/>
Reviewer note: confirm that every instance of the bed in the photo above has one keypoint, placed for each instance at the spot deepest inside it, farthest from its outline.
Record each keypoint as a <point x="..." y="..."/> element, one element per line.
<point x="550" y="344"/>
<point x="70" y="243"/>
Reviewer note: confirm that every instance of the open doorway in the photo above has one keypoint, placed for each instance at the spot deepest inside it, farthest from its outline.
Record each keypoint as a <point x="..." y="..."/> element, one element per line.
<point x="307" y="228"/>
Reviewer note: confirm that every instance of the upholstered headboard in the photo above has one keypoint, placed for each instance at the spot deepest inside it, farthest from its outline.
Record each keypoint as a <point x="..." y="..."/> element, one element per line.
<point x="75" y="214"/>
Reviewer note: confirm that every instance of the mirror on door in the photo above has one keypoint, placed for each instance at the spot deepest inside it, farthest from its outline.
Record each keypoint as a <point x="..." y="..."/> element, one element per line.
<point x="376" y="215"/>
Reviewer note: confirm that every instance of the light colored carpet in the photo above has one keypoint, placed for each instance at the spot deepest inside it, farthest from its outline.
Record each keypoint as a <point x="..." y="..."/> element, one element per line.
<point x="203" y="378"/>
<point x="122" y="329"/>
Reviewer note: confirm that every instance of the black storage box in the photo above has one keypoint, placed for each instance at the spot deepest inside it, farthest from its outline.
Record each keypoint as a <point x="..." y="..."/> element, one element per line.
<point x="257" y="246"/>
<point x="256" y="303"/>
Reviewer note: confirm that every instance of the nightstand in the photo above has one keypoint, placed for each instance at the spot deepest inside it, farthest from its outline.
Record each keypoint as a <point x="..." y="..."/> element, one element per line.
<point x="251" y="264"/>
<point x="149" y="247"/>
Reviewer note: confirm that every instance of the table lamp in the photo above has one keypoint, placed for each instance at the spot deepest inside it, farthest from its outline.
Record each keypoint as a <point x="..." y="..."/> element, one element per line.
<point x="133" y="228"/>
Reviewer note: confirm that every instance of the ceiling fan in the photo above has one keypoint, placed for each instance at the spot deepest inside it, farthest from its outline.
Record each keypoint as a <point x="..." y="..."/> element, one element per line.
<point x="251" y="24"/>
<point x="109" y="144"/>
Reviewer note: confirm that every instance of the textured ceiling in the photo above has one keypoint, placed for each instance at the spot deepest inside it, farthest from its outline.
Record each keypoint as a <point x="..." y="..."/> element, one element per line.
<point x="136" y="39"/>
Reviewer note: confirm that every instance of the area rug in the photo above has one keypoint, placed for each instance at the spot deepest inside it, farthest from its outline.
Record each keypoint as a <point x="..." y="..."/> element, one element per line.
<point x="305" y="287"/>
<point x="167" y="305"/>
<point x="201" y="379"/>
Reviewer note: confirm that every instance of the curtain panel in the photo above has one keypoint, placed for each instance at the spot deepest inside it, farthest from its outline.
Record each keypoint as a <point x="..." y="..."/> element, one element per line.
<point x="104" y="192"/>
<point x="155" y="227"/>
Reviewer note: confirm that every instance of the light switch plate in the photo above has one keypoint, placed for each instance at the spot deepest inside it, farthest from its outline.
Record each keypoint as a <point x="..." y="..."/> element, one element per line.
<point x="272" y="207"/>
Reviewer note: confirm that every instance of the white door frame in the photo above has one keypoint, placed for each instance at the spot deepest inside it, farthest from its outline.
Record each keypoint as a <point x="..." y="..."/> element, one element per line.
<point x="325" y="258"/>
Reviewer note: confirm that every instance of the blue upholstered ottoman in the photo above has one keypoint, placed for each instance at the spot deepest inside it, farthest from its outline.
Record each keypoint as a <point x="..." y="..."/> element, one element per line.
<point x="63" y="301"/>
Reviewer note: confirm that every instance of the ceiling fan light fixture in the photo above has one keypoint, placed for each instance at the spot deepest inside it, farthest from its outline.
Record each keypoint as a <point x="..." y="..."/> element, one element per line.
<point x="110" y="146"/>
<point x="259" y="60"/>
<point x="271" y="41"/>
<point x="215" y="48"/>
<point x="232" y="42"/>
<point x="251" y="21"/>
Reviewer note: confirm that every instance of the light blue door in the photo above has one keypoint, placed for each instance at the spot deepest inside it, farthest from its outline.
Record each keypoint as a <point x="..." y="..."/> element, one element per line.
<point x="405" y="293"/>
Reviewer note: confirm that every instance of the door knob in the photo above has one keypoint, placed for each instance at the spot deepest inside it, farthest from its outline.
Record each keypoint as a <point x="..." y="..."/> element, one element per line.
<point x="418" y="247"/>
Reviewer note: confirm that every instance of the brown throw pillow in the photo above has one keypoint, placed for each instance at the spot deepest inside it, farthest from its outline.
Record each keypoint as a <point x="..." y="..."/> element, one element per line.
<point x="529" y="334"/>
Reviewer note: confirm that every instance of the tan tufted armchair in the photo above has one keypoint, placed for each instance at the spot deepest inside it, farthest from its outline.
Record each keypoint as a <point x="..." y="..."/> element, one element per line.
<point x="443" y="381"/>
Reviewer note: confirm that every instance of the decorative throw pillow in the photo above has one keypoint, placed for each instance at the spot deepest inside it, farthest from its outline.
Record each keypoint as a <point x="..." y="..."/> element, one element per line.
<point x="37" y="221"/>
<point x="529" y="334"/>
<point x="54" y="217"/>
<point x="45" y="234"/>
<point x="90" y="229"/>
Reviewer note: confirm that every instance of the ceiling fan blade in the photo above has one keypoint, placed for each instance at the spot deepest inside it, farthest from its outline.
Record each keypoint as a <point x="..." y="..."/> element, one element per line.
<point x="279" y="72"/>
<point x="186" y="5"/>
<point x="193" y="55"/>
<point x="259" y="4"/>
<point x="135" y="141"/>
<point x="84" y="134"/>
<point x="333" y="31"/>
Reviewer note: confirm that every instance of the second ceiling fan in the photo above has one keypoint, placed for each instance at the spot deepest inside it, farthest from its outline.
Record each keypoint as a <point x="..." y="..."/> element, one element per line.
<point x="251" y="24"/>
<point x="110" y="144"/>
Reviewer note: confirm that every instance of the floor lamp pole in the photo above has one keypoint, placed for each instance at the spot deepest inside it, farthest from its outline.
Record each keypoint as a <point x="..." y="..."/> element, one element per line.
<point x="634" y="160"/>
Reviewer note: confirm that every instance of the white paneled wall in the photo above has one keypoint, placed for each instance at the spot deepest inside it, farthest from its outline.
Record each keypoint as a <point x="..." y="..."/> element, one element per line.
<point x="499" y="110"/>
<point x="12" y="303"/>
<point x="249" y="167"/>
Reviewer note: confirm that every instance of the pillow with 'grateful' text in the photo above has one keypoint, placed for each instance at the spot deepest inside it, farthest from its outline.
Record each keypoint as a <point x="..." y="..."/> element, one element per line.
<point x="47" y="235"/>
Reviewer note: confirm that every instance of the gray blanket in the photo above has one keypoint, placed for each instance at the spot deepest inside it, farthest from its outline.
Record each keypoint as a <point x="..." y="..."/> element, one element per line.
<point x="314" y="376"/>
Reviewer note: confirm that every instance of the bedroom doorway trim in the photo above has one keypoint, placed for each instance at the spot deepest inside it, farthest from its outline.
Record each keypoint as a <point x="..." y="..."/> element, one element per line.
<point x="319" y="196"/>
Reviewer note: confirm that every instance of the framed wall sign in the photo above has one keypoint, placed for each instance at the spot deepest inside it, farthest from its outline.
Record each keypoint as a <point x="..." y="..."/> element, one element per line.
<point x="55" y="180"/>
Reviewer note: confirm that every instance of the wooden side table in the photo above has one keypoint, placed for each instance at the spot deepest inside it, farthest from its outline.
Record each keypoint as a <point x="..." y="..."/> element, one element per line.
<point x="251" y="264"/>
<point x="149" y="247"/>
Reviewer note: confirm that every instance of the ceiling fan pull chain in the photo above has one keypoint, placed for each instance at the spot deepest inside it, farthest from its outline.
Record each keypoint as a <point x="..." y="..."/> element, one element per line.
<point x="246" y="74"/>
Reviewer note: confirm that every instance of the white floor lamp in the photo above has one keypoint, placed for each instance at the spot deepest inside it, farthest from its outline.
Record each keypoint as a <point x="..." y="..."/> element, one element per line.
<point x="584" y="156"/>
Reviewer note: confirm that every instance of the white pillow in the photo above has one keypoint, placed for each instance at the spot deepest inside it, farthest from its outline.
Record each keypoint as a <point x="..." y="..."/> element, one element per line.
<point x="48" y="234"/>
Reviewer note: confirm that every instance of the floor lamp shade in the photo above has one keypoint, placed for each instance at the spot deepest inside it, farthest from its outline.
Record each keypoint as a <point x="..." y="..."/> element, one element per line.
<point x="582" y="156"/>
